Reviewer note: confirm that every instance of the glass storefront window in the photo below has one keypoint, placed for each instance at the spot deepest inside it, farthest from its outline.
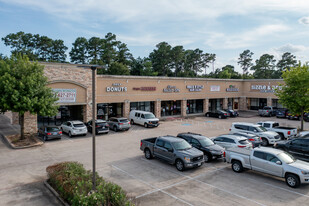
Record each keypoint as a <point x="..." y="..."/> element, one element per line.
<point x="143" y="106"/>
<point x="108" y="110"/>
<point x="194" y="106"/>
<point x="215" y="104"/>
<point x="169" y="108"/>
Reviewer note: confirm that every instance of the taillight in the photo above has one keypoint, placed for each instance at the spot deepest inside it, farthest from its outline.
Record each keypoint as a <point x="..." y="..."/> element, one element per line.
<point x="267" y="111"/>
<point x="107" y="125"/>
<point x="48" y="133"/>
<point x="289" y="132"/>
<point x="120" y="123"/>
<point x="129" y="122"/>
<point x="230" y="129"/>
<point x="97" y="126"/>
<point x="241" y="146"/>
<point x="60" y="132"/>
<point x="141" y="143"/>
<point x="224" y="154"/>
<point x="224" y="114"/>
<point x="251" y="140"/>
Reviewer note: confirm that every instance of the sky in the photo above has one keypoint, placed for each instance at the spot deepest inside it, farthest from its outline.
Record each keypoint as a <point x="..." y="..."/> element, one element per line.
<point x="223" y="27"/>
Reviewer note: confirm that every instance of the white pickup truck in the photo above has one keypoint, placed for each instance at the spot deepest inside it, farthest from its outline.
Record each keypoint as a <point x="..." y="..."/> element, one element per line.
<point x="271" y="161"/>
<point x="284" y="132"/>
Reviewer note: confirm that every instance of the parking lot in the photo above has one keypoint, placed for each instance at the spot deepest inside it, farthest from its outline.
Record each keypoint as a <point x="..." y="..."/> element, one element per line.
<point x="147" y="182"/>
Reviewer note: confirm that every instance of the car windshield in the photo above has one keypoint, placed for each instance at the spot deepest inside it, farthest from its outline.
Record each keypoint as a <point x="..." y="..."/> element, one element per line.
<point x="100" y="123"/>
<point x="231" y="110"/>
<point x="183" y="145"/>
<point x="123" y="120"/>
<point x="78" y="125"/>
<point x="261" y="129"/>
<point x="286" y="157"/>
<point x="149" y="116"/>
<point x="206" y="142"/>
<point x="52" y="129"/>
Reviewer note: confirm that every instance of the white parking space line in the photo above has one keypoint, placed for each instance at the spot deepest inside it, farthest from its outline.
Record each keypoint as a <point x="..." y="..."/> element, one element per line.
<point x="66" y="138"/>
<point x="210" y="185"/>
<point x="157" y="189"/>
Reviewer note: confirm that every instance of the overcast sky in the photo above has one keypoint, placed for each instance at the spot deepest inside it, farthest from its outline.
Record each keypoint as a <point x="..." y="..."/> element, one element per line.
<point x="223" y="27"/>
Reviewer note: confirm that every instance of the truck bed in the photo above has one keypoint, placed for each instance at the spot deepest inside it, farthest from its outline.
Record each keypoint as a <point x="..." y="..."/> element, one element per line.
<point x="286" y="128"/>
<point x="151" y="140"/>
<point x="242" y="151"/>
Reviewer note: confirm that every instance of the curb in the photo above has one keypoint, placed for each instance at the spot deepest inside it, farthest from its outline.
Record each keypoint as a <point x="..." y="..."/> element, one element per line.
<point x="22" y="147"/>
<point x="55" y="193"/>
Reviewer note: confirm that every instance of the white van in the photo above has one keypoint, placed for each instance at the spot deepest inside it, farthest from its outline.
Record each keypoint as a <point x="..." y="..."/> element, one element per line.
<point x="147" y="119"/>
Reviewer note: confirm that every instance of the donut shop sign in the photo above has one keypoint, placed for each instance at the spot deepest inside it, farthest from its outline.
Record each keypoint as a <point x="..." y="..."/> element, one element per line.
<point x="116" y="87"/>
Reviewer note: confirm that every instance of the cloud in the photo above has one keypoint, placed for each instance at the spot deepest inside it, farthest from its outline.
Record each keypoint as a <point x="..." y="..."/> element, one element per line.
<point x="304" y="20"/>
<point x="291" y="48"/>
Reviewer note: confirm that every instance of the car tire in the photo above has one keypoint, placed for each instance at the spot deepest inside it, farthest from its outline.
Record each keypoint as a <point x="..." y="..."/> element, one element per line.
<point x="145" y="125"/>
<point x="115" y="128"/>
<point x="84" y="134"/>
<point x="237" y="166"/>
<point x="148" y="154"/>
<point x="132" y="122"/>
<point x="292" y="180"/>
<point x="220" y="117"/>
<point x="179" y="165"/>
<point x="207" y="157"/>
<point x="265" y="142"/>
<point x="70" y="134"/>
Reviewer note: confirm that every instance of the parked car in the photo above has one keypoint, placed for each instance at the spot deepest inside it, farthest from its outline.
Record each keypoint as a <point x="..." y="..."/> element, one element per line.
<point x="268" y="137"/>
<point x="232" y="113"/>
<point x="298" y="147"/>
<point x="267" y="111"/>
<point x="119" y="124"/>
<point x="291" y="116"/>
<point x="303" y="134"/>
<point x="271" y="161"/>
<point x="254" y="139"/>
<point x="228" y="140"/>
<point x="74" y="128"/>
<point x="282" y="113"/>
<point x="207" y="146"/>
<point x="284" y="132"/>
<point x="174" y="150"/>
<point x="101" y="126"/>
<point x="49" y="132"/>
<point x="221" y="114"/>
<point x="147" y="119"/>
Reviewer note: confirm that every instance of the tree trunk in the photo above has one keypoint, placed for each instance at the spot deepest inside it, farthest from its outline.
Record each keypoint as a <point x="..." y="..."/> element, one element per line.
<point x="302" y="120"/>
<point x="22" y="126"/>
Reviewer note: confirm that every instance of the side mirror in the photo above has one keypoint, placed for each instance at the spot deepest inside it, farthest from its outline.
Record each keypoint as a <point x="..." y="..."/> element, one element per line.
<point x="279" y="163"/>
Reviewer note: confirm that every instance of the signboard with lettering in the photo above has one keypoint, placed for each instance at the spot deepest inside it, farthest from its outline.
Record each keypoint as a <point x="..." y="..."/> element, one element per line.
<point x="232" y="88"/>
<point x="215" y="88"/>
<point x="116" y="87"/>
<point x="195" y="88"/>
<point x="264" y="88"/>
<point x="171" y="89"/>
<point x="65" y="95"/>
<point x="145" y="88"/>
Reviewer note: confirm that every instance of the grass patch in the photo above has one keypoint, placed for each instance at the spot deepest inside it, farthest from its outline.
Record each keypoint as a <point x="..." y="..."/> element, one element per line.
<point x="74" y="184"/>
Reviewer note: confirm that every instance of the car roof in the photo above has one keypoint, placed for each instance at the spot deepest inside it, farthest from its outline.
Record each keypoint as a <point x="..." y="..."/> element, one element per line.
<point x="76" y="122"/>
<point x="246" y="123"/>
<point x="171" y="138"/>
<point x="245" y="134"/>
<point x="100" y="121"/>
<point x="119" y="118"/>
<point x="267" y="122"/>
<point x="233" y="136"/>
<point x="194" y="135"/>
<point x="140" y="111"/>
<point x="269" y="150"/>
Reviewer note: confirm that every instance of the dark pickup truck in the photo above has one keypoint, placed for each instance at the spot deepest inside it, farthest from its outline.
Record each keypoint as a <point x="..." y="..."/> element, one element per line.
<point x="174" y="150"/>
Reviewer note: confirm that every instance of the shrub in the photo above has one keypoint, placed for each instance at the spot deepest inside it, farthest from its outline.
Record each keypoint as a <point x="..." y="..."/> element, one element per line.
<point x="74" y="184"/>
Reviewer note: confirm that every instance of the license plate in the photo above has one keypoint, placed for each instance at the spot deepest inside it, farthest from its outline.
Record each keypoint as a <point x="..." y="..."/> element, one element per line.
<point x="80" y="130"/>
<point x="55" y="133"/>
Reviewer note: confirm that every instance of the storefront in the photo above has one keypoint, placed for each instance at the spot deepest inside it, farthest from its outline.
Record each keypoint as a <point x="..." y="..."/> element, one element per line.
<point x="108" y="110"/>
<point x="195" y="106"/>
<point x="170" y="108"/>
<point x="144" y="106"/>
<point x="215" y="104"/>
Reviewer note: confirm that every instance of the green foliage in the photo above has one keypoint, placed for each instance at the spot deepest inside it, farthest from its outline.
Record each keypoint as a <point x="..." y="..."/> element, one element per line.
<point x="245" y="61"/>
<point x="264" y="67"/>
<point x="227" y="72"/>
<point x="74" y="184"/>
<point x="23" y="88"/>
<point x="295" y="92"/>
<point x="117" y="68"/>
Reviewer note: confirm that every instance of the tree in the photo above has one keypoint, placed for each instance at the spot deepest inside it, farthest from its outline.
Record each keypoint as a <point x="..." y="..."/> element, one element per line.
<point x="177" y="59"/>
<point x="23" y="89"/>
<point x="264" y="67"/>
<point x="227" y="72"/>
<point x="57" y="52"/>
<point x="161" y="59"/>
<point x="79" y="51"/>
<point x="245" y="61"/>
<point x="286" y="62"/>
<point x="94" y="50"/>
<point x="295" y="91"/>
<point x="117" y="68"/>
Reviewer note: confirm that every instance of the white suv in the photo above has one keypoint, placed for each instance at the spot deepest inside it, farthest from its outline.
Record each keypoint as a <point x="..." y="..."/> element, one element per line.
<point x="229" y="141"/>
<point x="143" y="118"/>
<point x="268" y="137"/>
<point x="74" y="128"/>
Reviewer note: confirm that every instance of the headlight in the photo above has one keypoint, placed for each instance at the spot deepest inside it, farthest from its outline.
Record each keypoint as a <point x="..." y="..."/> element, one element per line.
<point x="270" y="137"/>
<point x="187" y="159"/>
<point x="305" y="172"/>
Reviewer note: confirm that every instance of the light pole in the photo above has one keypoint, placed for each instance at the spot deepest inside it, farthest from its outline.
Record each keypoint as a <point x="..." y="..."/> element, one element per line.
<point x="93" y="68"/>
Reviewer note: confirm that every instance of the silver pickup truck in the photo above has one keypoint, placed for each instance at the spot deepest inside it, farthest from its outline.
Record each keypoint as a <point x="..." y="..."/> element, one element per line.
<point x="174" y="150"/>
<point x="271" y="161"/>
<point x="284" y="132"/>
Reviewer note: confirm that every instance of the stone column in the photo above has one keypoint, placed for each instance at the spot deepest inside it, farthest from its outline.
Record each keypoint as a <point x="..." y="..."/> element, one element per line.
<point x="157" y="108"/>
<point x="269" y="101"/>
<point x="184" y="107"/>
<point x="205" y="105"/>
<point x="225" y="103"/>
<point x="126" y="108"/>
<point x="243" y="103"/>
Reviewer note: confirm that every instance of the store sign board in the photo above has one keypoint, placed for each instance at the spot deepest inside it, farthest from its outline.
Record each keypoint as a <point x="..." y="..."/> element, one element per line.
<point x="195" y="88"/>
<point x="116" y="87"/>
<point x="232" y="88"/>
<point x="171" y="89"/>
<point x="215" y="88"/>
<point x="65" y="95"/>
<point x="263" y="88"/>
<point x="145" y="88"/>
